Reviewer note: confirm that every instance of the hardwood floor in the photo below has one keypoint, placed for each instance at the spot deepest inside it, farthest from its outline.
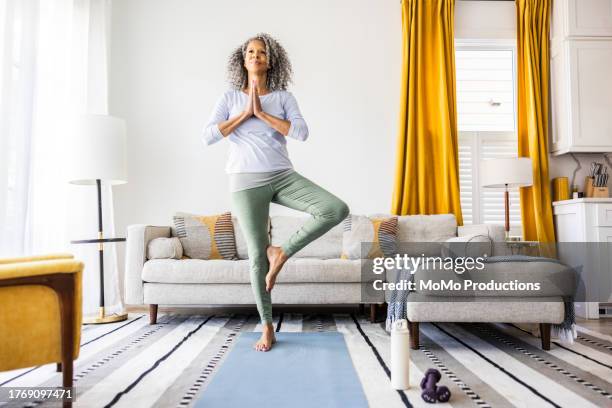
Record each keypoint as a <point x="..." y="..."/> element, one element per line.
<point x="603" y="326"/>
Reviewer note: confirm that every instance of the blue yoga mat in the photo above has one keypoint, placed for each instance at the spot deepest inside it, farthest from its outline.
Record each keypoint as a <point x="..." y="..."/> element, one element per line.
<point x="301" y="370"/>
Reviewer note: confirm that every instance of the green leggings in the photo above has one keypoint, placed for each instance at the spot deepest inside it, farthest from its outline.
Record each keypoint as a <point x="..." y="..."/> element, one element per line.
<point x="252" y="207"/>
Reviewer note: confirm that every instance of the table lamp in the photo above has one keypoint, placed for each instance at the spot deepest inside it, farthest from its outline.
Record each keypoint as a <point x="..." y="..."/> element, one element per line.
<point x="99" y="156"/>
<point x="508" y="173"/>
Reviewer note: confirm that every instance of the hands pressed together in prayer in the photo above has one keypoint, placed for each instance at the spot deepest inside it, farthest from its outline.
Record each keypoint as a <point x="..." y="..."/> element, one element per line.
<point x="253" y="108"/>
<point x="254" y="104"/>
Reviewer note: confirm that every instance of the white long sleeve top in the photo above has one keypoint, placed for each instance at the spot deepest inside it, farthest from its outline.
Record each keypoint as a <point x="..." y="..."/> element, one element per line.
<point x="254" y="146"/>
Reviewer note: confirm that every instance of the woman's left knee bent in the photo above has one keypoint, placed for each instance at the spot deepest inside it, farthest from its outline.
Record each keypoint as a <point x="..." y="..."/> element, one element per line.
<point x="337" y="212"/>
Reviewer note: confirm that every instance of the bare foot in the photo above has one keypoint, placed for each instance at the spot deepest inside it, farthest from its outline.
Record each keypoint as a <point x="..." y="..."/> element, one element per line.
<point x="276" y="258"/>
<point x="267" y="338"/>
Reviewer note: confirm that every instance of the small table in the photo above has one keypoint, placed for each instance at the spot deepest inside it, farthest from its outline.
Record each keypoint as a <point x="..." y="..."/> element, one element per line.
<point x="523" y="247"/>
<point x="102" y="317"/>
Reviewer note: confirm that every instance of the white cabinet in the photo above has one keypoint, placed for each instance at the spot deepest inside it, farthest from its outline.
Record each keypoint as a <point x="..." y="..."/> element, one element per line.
<point x="585" y="220"/>
<point x="581" y="18"/>
<point x="581" y="94"/>
<point x="581" y="83"/>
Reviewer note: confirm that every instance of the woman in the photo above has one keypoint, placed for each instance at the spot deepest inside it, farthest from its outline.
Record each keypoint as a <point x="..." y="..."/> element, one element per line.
<point x="256" y="117"/>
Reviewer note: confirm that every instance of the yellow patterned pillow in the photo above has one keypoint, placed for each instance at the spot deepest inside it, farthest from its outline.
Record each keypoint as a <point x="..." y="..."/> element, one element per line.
<point x="206" y="236"/>
<point x="377" y="234"/>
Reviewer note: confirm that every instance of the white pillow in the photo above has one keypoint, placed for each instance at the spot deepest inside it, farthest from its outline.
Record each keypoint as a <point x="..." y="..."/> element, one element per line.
<point x="473" y="246"/>
<point x="165" y="248"/>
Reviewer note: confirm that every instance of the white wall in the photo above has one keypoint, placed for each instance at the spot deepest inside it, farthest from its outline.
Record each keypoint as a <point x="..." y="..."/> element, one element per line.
<point x="485" y="20"/>
<point x="168" y="63"/>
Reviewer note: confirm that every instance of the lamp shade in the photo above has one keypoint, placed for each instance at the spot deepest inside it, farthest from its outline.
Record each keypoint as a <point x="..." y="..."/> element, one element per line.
<point x="98" y="150"/>
<point x="513" y="172"/>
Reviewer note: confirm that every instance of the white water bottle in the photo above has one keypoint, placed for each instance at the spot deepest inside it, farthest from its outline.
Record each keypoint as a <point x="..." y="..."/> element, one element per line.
<point x="400" y="355"/>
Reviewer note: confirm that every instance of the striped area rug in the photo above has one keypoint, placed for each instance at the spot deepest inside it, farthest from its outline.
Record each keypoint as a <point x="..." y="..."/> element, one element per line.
<point x="169" y="364"/>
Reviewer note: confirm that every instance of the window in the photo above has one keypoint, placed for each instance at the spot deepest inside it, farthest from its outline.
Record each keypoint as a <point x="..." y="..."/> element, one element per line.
<point x="486" y="119"/>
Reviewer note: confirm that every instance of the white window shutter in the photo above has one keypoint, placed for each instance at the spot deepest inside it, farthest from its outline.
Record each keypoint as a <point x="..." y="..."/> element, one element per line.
<point x="485" y="89"/>
<point x="483" y="205"/>
<point x="469" y="206"/>
<point x="496" y="146"/>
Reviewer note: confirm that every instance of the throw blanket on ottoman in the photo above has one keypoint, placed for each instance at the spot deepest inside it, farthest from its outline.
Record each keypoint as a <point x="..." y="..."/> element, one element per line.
<point x="397" y="306"/>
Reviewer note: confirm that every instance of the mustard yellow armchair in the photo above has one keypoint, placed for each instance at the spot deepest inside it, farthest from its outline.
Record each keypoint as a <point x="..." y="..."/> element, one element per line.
<point x="40" y="312"/>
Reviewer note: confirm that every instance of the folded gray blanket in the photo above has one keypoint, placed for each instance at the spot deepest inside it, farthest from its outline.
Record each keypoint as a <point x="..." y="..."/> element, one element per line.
<point x="565" y="331"/>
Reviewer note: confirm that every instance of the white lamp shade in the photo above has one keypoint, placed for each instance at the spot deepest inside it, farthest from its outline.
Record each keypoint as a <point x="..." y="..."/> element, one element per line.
<point x="513" y="172"/>
<point x="98" y="150"/>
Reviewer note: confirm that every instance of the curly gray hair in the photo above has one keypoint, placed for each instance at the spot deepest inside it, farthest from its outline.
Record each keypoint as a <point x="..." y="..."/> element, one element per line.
<point x="279" y="71"/>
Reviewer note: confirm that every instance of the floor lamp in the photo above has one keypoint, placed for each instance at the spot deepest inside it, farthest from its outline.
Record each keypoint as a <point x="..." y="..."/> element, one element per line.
<point x="99" y="156"/>
<point x="506" y="173"/>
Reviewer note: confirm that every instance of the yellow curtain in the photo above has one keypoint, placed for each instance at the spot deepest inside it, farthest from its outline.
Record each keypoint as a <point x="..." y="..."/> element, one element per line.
<point x="533" y="24"/>
<point x="427" y="166"/>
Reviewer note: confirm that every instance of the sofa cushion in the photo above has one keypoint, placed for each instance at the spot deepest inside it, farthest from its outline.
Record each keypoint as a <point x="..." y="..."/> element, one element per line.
<point x="222" y="271"/>
<point x="242" y="294"/>
<point x="206" y="237"/>
<point x="327" y="246"/>
<point x="416" y="232"/>
<point x="378" y="234"/>
<point x="426" y="228"/>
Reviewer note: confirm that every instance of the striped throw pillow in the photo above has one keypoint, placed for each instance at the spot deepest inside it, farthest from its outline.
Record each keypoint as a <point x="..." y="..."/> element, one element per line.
<point x="378" y="235"/>
<point x="206" y="236"/>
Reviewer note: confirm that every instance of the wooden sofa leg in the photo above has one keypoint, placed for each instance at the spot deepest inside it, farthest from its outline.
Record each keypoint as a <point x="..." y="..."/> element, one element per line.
<point x="373" y="312"/>
<point x="152" y="314"/>
<point x="413" y="328"/>
<point x="58" y="367"/>
<point x="545" y="335"/>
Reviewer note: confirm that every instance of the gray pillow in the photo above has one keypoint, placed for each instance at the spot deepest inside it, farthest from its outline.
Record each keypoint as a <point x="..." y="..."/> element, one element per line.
<point x="165" y="248"/>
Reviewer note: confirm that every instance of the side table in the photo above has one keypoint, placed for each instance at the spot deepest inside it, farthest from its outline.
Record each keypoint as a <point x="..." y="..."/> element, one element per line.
<point x="523" y="247"/>
<point x="102" y="317"/>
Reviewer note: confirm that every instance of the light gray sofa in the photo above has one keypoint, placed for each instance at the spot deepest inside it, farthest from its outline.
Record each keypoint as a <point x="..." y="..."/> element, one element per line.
<point x="316" y="275"/>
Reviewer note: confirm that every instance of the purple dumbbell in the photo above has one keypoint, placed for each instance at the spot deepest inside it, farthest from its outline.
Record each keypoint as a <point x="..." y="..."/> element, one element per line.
<point x="443" y="393"/>
<point x="428" y="385"/>
<point x="431" y="392"/>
